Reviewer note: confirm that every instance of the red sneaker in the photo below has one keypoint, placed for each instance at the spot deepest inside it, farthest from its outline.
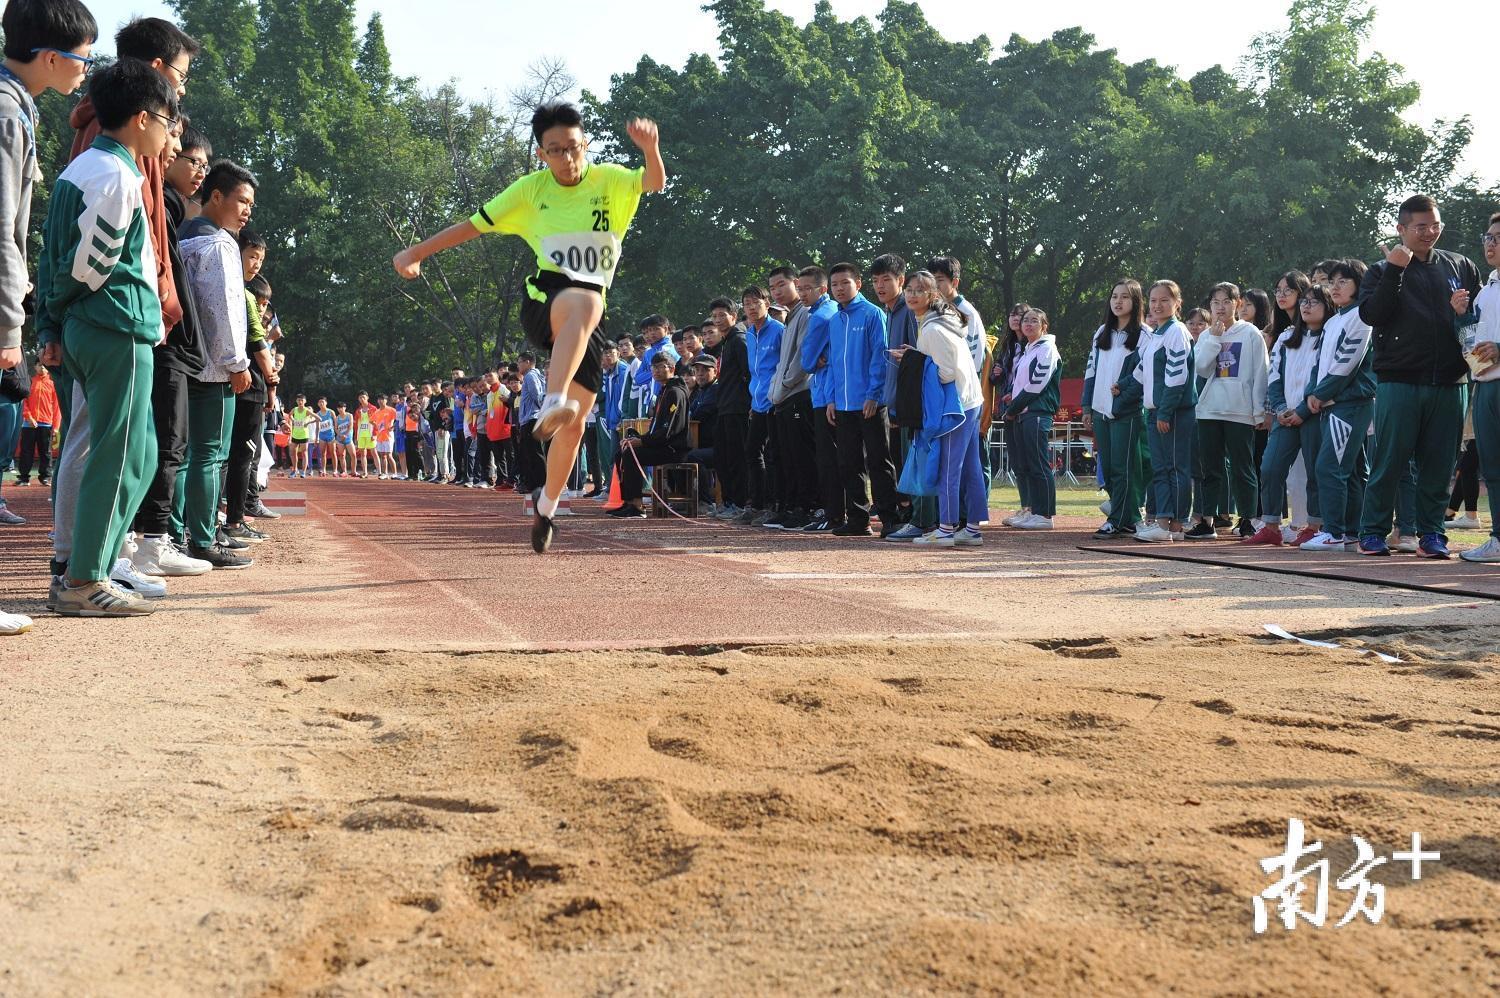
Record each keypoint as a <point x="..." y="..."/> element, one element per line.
<point x="1269" y="534"/>
<point x="1308" y="533"/>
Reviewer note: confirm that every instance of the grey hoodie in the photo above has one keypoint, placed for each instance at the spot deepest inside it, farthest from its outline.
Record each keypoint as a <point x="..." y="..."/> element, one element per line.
<point x="18" y="175"/>
<point x="790" y="378"/>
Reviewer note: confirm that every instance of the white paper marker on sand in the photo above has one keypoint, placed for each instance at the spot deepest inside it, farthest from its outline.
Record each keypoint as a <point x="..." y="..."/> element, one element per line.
<point x="1281" y="632"/>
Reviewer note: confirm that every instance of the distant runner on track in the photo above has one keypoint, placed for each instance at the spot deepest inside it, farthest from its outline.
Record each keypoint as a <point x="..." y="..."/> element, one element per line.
<point x="573" y="215"/>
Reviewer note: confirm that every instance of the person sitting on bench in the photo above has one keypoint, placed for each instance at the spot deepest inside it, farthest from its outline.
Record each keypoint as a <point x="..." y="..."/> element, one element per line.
<point x="665" y="442"/>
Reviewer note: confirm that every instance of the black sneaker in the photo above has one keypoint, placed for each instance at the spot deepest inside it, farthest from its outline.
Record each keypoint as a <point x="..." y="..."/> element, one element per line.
<point x="248" y="534"/>
<point x="777" y="521"/>
<point x="850" y="530"/>
<point x="261" y="512"/>
<point x="629" y="511"/>
<point x="1203" y="531"/>
<point x="795" y="520"/>
<point x="1244" y="528"/>
<point x="820" y="525"/>
<point x="223" y="539"/>
<point x="542" y="532"/>
<point x="220" y="557"/>
<point x="1222" y="523"/>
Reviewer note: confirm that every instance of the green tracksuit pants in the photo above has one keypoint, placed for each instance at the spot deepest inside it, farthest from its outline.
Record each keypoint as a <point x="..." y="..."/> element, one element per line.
<point x="1120" y="449"/>
<point x="1421" y="422"/>
<point x="1282" y="448"/>
<point x="1342" y="468"/>
<point x="210" y="419"/>
<point x="116" y="373"/>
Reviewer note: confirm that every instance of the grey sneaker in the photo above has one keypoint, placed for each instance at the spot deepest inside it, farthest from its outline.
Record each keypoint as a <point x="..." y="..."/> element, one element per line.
<point x="764" y="518"/>
<point x="728" y="512"/>
<point x="10" y="519"/>
<point x="747" y="517"/>
<point x="99" y="599"/>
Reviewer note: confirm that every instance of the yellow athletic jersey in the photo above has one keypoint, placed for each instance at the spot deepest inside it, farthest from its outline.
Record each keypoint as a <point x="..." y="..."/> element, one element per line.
<point x="574" y="231"/>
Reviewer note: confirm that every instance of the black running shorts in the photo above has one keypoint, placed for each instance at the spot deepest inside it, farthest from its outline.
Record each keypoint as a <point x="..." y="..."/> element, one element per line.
<point x="536" y="322"/>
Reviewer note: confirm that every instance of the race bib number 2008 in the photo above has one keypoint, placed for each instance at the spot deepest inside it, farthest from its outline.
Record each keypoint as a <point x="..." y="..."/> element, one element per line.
<point x="590" y="257"/>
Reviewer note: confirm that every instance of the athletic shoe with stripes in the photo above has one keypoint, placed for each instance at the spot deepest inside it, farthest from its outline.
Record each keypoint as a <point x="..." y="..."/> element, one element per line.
<point x="99" y="599"/>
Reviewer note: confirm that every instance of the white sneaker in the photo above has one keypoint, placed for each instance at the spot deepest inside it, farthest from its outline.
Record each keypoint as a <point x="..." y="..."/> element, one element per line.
<point x="159" y="556"/>
<point x="1154" y="533"/>
<point x="968" y="538"/>
<point x="1021" y="514"/>
<point x="1324" y="541"/>
<point x="14" y="623"/>
<point x="125" y="575"/>
<point x="1034" y="522"/>
<point x="1466" y="522"/>
<point x="1406" y="545"/>
<point x="555" y="413"/>
<point x="937" y="537"/>
<point x="1106" y="507"/>
<point x="1289" y="534"/>
<point x="1487" y="553"/>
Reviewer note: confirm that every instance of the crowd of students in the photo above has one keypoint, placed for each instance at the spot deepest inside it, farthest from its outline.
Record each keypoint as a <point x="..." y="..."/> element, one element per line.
<point x="805" y="405"/>
<point x="151" y="315"/>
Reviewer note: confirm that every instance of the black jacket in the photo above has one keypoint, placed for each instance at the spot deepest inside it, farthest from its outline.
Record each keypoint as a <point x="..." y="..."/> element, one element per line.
<point x="908" y="408"/>
<point x="184" y="347"/>
<point x="734" y="375"/>
<point x="669" y="424"/>
<point x="1415" y="336"/>
<point x="703" y="406"/>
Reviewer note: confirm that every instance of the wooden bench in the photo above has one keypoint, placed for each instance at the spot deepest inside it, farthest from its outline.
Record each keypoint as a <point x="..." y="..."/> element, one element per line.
<point x="677" y="485"/>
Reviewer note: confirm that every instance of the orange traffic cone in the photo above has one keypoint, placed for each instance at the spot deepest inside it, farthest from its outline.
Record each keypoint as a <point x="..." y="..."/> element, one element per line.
<point x="614" y="502"/>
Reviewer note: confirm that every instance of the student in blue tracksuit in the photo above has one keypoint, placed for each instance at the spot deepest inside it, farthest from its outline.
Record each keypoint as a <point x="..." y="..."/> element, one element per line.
<point x="614" y="385"/>
<point x="1170" y="397"/>
<point x="854" y="346"/>
<point x="763" y="341"/>
<point x="1119" y="440"/>
<point x="812" y="288"/>
<point x="1035" y="394"/>
<point x="1344" y="400"/>
<point x="1295" y="427"/>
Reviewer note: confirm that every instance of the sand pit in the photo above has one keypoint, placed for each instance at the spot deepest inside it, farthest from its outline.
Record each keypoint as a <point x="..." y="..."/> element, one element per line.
<point x="983" y="817"/>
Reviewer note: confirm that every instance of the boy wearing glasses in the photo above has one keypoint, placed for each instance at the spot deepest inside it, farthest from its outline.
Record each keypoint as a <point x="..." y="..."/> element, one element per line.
<point x="46" y="48"/>
<point x="96" y="286"/>
<point x="574" y="215"/>
<point x="165" y="49"/>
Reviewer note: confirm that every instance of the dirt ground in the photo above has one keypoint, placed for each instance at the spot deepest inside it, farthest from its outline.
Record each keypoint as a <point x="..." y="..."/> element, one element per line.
<point x="403" y="756"/>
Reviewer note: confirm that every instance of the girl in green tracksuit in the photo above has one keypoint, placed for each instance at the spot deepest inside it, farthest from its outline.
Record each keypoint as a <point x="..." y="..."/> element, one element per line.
<point x="1343" y="398"/>
<point x="1119" y="430"/>
<point x="1295" y="429"/>
<point x="1170" y="396"/>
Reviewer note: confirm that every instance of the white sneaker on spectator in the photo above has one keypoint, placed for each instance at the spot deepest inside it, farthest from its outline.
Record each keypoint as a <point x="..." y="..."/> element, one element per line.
<point x="14" y="623"/>
<point x="124" y="574"/>
<point x="1153" y="533"/>
<point x="968" y="537"/>
<point x="1469" y="521"/>
<point x="159" y="556"/>
<point x="1020" y="514"/>
<point x="1404" y="544"/>
<point x="937" y="537"/>
<point x="1034" y="522"/>
<point x="1324" y="541"/>
<point x="1487" y="553"/>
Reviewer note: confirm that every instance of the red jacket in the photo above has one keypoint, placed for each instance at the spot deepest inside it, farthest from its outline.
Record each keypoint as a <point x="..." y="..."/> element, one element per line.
<point x="87" y="129"/>
<point x="40" y="407"/>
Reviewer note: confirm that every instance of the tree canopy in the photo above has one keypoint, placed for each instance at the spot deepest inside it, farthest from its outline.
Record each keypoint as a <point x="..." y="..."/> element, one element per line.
<point x="1048" y="167"/>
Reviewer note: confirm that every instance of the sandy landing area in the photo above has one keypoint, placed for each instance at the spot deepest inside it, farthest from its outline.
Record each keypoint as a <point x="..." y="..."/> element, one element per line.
<point x="299" y="783"/>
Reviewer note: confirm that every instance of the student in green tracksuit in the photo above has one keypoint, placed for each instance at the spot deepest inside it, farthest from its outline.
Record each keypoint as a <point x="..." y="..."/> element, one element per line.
<point x="97" y="282"/>
<point x="1170" y="396"/>
<point x="1343" y="397"/>
<point x="1119" y="429"/>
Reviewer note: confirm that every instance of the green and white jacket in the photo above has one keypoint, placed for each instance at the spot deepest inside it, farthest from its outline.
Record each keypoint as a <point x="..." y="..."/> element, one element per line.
<point x="97" y="265"/>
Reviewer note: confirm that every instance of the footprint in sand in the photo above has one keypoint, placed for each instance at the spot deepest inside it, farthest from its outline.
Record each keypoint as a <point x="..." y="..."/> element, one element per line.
<point x="498" y="876"/>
